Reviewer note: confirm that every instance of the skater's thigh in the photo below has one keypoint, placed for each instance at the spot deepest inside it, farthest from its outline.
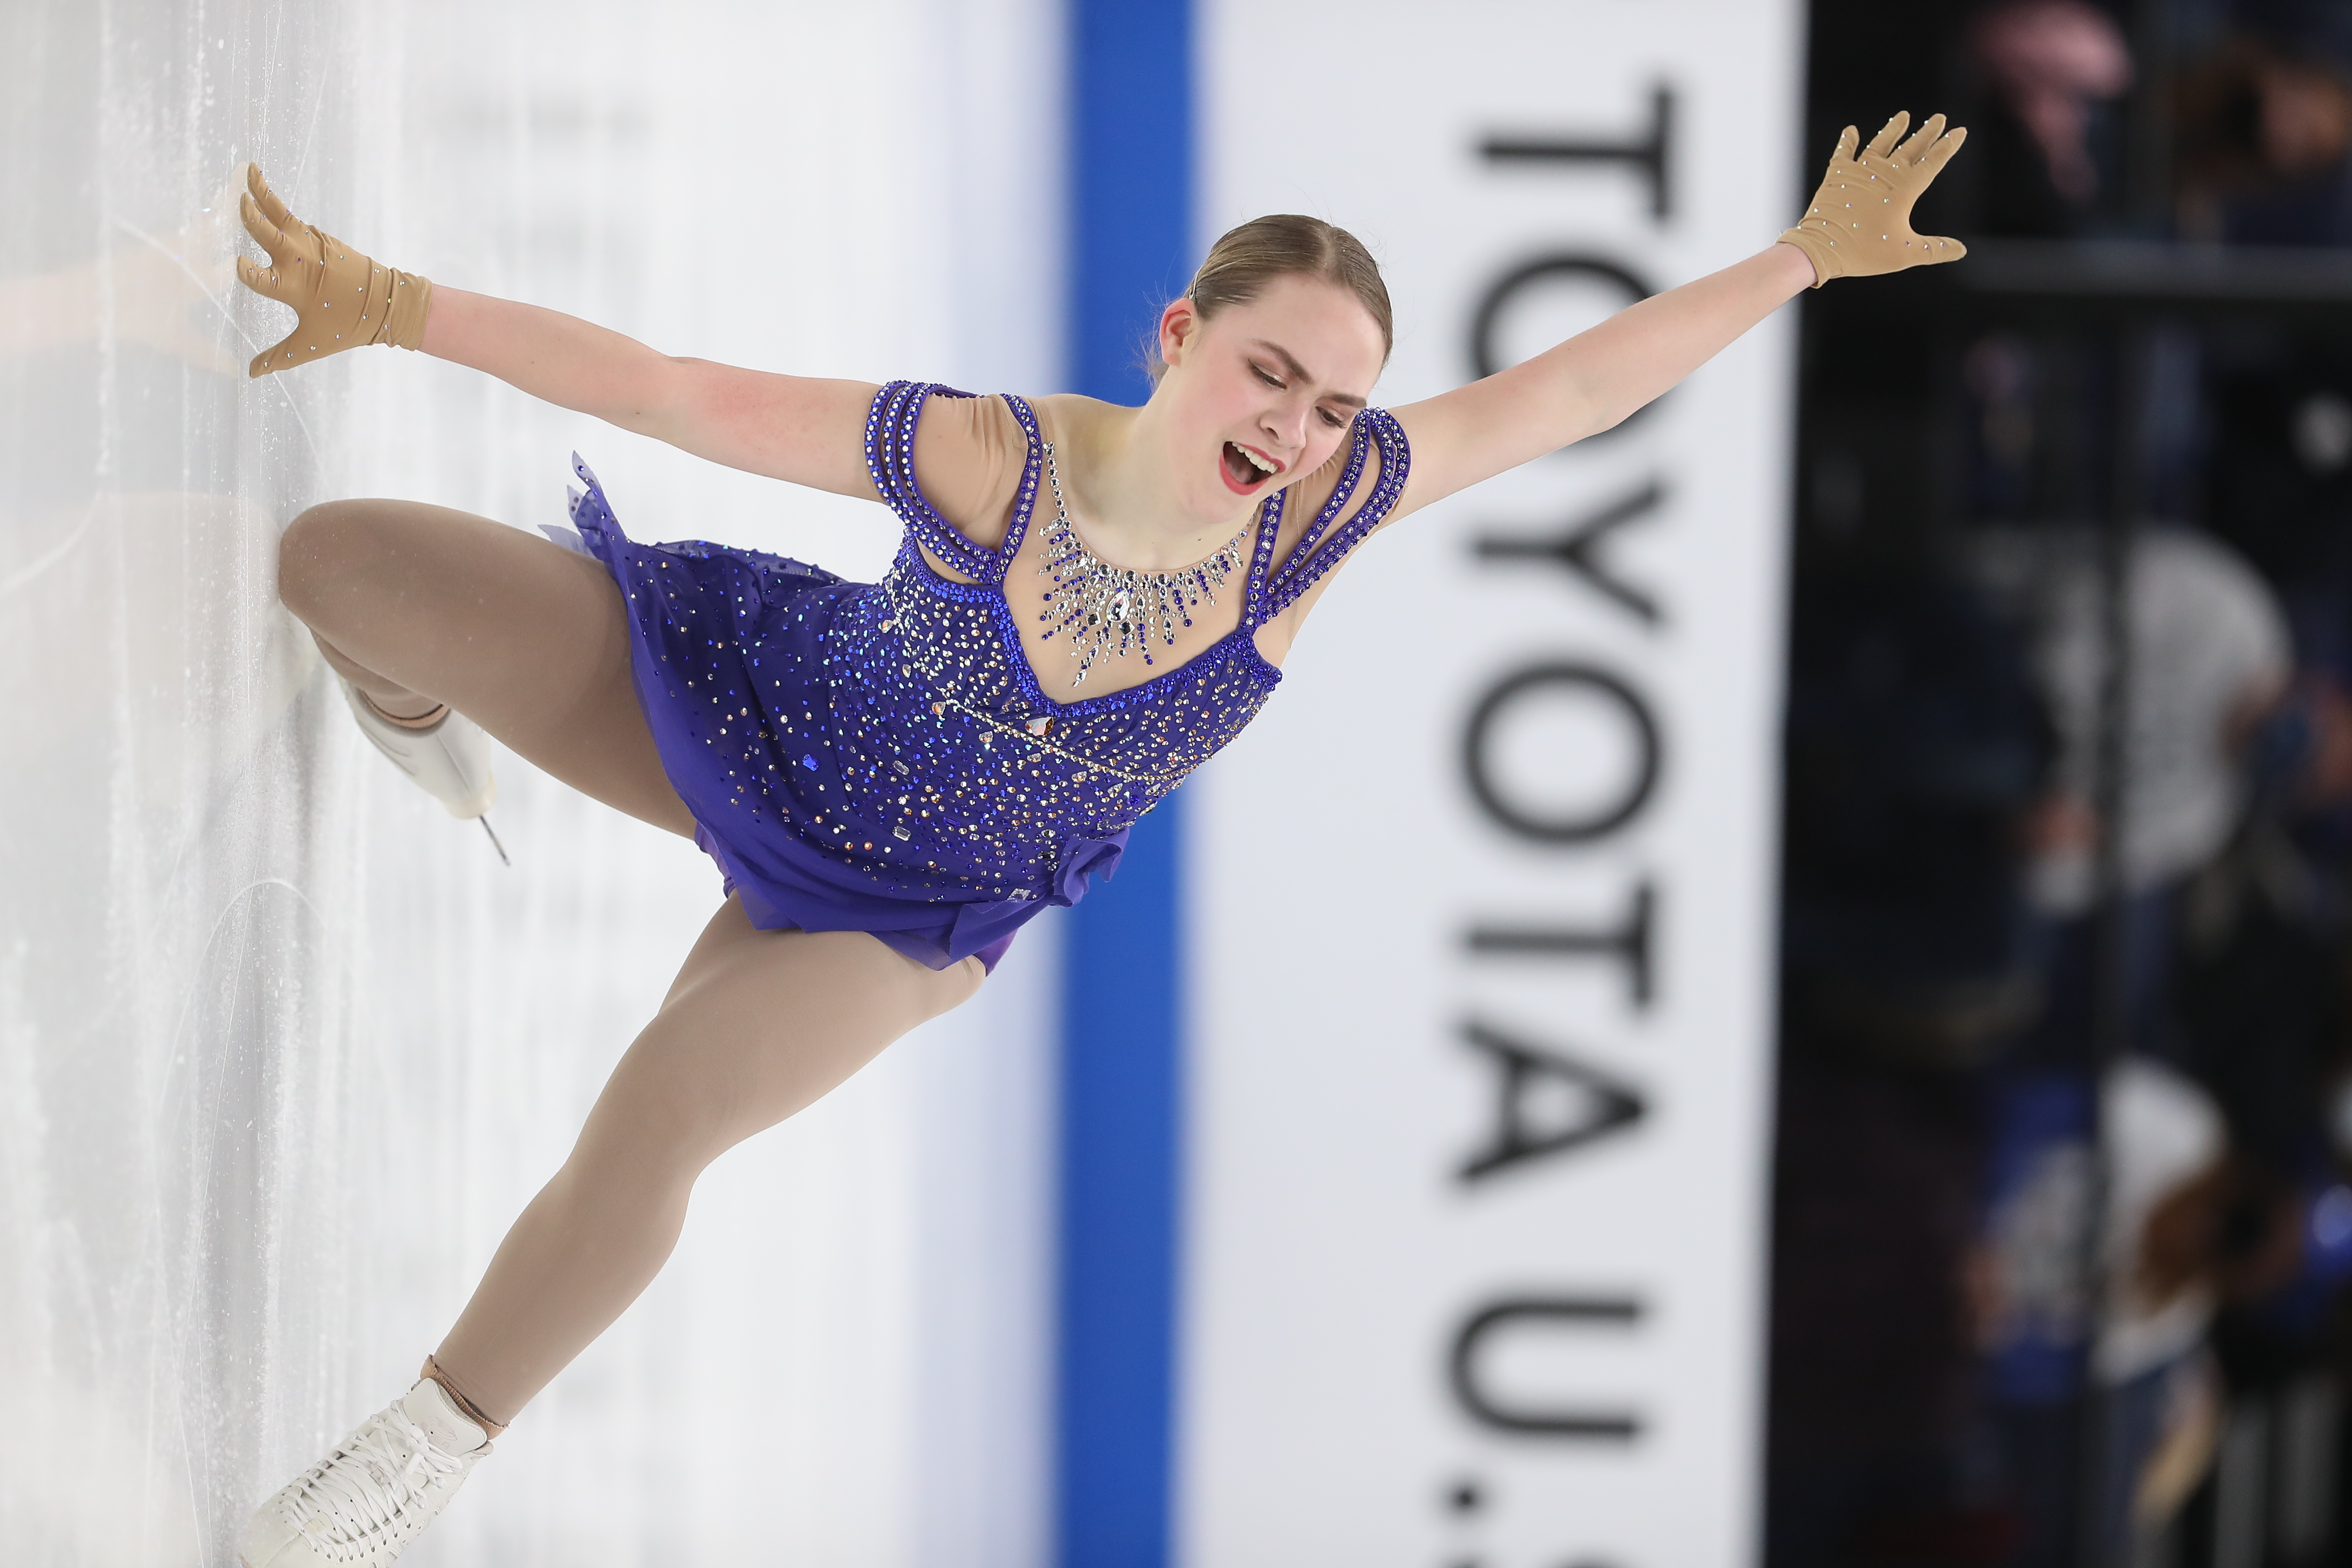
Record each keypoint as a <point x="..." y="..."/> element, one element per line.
<point x="759" y="1024"/>
<point x="528" y="639"/>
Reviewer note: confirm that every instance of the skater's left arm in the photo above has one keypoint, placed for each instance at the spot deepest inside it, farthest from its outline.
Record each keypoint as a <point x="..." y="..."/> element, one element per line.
<point x="1858" y="224"/>
<point x="1594" y="380"/>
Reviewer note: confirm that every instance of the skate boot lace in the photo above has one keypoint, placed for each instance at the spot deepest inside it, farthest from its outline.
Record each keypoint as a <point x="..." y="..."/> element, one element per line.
<point x="359" y="1497"/>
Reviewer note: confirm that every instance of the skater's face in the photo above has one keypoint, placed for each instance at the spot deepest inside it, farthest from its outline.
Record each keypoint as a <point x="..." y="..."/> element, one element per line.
<point x="1260" y="395"/>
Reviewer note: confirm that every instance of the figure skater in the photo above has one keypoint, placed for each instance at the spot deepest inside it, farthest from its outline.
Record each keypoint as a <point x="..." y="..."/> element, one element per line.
<point x="894" y="777"/>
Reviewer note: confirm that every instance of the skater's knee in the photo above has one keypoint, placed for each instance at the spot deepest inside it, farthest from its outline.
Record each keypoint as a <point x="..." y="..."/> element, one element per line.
<point x="659" y="1130"/>
<point x="319" y="547"/>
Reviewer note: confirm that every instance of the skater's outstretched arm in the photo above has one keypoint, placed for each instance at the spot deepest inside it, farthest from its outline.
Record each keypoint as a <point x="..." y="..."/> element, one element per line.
<point x="1859" y="223"/>
<point x="798" y="429"/>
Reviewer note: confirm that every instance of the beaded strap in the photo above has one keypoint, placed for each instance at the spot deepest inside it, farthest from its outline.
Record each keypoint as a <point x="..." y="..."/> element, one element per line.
<point x="1315" y="554"/>
<point x="1026" y="503"/>
<point x="1261" y="569"/>
<point x="1359" y="447"/>
<point x="890" y="460"/>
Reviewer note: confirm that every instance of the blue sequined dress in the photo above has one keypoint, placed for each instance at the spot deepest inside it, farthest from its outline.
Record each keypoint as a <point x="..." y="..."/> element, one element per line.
<point x="878" y="757"/>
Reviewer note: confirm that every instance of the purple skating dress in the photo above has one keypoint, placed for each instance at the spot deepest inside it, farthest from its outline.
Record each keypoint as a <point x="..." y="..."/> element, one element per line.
<point x="878" y="757"/>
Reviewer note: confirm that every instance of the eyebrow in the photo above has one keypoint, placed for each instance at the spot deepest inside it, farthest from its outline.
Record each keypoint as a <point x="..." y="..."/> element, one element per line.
<point x="1300" y="373"/>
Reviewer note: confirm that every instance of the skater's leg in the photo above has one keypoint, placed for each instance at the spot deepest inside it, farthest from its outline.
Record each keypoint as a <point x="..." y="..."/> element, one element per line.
<point x="758" y="1025"/>
<point x="387" y="696"/>
<point x="418" y="605"/>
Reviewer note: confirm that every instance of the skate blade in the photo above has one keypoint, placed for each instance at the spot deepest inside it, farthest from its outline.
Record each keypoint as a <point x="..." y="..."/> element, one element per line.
<point x="485" y="820"/>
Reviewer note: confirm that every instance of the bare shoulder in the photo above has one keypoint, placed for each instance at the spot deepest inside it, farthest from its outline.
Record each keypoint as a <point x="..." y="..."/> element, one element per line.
<point x="1069" y="416"/>
<point x="1069" y="422"/>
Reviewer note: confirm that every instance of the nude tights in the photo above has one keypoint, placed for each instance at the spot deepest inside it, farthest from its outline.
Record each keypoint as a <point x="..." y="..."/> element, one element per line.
<point x="417" y="605"/>
<point x="759" y="1024"/>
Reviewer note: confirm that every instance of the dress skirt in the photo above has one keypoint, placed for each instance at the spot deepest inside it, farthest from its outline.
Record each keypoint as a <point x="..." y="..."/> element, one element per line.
<point x="700" y="617"/>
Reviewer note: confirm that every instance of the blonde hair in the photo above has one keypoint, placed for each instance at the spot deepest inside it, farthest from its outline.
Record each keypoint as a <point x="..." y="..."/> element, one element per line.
<point x="1282" y="245"/>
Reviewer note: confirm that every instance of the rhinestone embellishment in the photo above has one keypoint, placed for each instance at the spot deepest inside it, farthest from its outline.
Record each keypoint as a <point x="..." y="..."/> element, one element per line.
<point x="1096" y="600"/>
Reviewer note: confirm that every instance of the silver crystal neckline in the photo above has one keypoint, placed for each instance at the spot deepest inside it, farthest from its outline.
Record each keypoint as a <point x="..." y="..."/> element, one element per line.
<point x="1096" y="601"/>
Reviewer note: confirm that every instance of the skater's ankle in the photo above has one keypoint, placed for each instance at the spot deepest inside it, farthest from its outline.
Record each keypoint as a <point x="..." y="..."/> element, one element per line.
<point x="433" y="1369"/>
<point x="425" y="718"/>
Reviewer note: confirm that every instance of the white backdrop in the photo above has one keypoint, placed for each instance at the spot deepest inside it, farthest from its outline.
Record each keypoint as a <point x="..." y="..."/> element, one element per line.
<point x="1341" y="1402"/>
<point x="282" y="1048"/>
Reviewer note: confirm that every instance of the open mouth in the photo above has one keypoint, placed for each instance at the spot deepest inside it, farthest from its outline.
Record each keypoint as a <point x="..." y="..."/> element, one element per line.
<point x="1243" y="468"/>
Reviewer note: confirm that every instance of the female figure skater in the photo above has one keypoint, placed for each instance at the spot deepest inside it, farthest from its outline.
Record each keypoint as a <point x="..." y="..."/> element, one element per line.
<point x="1089" y="602"/>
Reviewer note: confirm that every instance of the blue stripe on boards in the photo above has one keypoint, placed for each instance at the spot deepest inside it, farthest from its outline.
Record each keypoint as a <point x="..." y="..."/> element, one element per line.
<point x="1131" y="162"/>
<point x="1130" y="230"/>
<point x="1120" y="1081"/>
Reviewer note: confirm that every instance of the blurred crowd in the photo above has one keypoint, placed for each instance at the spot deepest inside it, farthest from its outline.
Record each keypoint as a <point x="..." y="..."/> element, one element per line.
<point x="2255" y="102"/>
<point x="2062" y="1221"/>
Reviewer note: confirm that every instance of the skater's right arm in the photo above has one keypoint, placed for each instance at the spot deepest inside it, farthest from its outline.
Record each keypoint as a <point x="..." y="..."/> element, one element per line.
<point x="801" y="429"/>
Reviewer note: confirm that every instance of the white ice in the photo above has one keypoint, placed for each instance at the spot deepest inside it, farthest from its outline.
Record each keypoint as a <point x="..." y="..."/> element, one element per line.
<point x="282" y="1047"/>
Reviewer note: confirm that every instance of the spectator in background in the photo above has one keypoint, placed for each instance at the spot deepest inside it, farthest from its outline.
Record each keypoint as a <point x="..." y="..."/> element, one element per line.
<point x="2166" y="1144"/>
<point x="2189" y="1226"/>
<point x="2208" y="655"/>
<point x="2262" y="127"/>
<point x="2051" y="67"/>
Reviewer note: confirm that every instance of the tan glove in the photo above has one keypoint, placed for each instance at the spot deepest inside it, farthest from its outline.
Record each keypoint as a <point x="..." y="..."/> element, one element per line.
<point x="1859" y="223"/>
<point x="341" y="299"/>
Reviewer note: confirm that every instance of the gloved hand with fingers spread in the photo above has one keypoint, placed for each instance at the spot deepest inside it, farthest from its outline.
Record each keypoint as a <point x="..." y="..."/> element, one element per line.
<point x="341" y="298"/>
<point x="1859" y="223"/>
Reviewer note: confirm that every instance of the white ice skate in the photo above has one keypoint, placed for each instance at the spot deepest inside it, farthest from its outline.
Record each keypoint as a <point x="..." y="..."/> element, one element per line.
<point x="449" y="758"/>
<point x="368" y="1499"/>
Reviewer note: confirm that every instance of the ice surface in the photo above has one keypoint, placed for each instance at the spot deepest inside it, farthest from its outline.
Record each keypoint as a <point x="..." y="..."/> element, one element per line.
<point x="283" y="1048"/>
